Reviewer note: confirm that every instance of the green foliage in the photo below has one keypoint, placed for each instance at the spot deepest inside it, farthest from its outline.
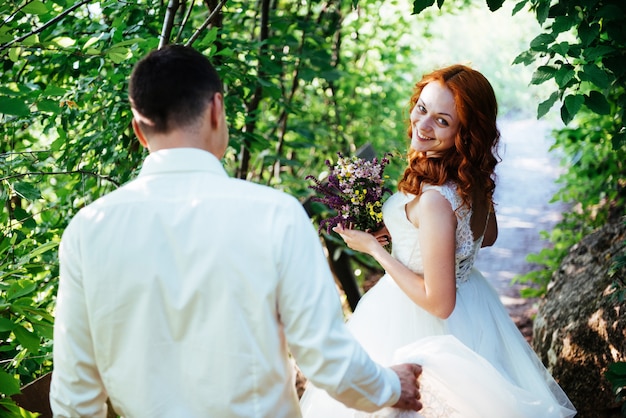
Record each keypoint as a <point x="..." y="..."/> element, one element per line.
<point x="593" y="185"/>
<point x="581" y="54"/>
<point x="65" y="141"/>
<point x="303" y="81"/>
<point x="616" y="375"/>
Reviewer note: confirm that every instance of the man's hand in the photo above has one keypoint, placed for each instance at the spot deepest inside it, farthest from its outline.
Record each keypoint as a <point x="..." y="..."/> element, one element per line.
<point x="410" y="395"/>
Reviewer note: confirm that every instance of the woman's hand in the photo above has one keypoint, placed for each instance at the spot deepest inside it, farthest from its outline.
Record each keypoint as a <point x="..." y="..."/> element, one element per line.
<point x="361" y="241"/>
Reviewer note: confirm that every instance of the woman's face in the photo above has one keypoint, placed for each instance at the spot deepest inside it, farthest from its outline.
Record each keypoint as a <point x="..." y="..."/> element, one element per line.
<point x="434" y="120"/>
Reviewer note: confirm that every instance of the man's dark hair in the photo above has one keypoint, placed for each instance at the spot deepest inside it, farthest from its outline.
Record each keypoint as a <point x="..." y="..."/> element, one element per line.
<point x="172" y="87"/>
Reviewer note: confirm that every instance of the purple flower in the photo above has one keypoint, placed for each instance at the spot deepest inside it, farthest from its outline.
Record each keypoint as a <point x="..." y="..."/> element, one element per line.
<point x="354" y="189"/>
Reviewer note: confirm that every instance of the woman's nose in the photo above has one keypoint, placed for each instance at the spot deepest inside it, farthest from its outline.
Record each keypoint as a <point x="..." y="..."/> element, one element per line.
<point x="424" y="123"/>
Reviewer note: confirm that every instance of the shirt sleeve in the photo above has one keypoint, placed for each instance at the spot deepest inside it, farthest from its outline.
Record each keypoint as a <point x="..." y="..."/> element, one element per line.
<point x="76" y="388"/>
<point x="310" y="310"/>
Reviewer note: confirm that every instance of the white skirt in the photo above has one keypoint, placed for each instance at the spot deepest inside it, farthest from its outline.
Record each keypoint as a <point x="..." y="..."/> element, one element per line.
<point x="475" y="364"/>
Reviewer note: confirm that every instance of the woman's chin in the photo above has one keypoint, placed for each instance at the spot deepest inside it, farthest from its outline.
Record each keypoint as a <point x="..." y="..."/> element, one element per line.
<point x="421" y="146"/>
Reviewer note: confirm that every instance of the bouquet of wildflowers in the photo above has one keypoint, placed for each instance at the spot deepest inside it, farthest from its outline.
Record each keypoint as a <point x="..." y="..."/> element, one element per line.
<point x="354" y="188"/>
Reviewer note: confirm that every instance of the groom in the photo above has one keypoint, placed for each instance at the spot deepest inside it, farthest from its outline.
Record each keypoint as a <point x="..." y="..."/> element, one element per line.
<point x="183" y="293"/>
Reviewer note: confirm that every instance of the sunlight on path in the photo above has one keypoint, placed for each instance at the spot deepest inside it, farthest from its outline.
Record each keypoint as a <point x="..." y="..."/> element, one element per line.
<point x="525" y="186"/>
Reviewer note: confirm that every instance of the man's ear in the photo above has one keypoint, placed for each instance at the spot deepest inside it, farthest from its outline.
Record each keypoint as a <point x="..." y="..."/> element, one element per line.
<point x="217" y="110"/>
<point x="139" y="134"/>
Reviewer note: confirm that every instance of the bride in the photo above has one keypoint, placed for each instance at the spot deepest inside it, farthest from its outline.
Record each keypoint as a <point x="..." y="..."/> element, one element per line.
<point x="432" y="306"/>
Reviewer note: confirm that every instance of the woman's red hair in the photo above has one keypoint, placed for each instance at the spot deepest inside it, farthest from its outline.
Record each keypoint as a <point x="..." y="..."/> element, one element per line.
<point x="471" y="162"/>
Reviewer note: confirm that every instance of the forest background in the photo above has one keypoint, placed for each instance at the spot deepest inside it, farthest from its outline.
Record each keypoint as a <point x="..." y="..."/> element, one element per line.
<point x="304" y="80"/>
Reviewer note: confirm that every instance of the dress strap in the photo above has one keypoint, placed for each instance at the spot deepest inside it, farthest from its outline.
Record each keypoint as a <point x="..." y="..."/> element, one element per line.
<point x="448" y="191"/>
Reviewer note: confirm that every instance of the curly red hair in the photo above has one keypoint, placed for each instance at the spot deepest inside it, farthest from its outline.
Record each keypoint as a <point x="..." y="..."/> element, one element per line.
<point x="471" y="162"/>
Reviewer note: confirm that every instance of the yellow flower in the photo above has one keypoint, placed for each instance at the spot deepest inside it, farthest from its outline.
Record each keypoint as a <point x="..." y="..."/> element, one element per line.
<point x="374" y="211"/>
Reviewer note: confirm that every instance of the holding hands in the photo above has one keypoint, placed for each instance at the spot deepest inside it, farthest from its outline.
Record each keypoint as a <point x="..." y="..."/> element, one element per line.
<point x="410" y="395"/>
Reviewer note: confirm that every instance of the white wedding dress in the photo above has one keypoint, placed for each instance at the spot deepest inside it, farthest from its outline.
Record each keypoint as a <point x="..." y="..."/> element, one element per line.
<point x="476" y="364"/>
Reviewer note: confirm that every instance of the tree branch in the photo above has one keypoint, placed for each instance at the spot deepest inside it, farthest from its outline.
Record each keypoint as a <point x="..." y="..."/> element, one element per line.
<point x="8" y="19"/>
<point x="253" y="105"/>
<point x="54" y="173"/>
<point x="206" y="23"/>
<point x="282" y="120"/>
<point x="168" y="23"/>
<point x="45" y="25"/>
<point x="184" y="22"/>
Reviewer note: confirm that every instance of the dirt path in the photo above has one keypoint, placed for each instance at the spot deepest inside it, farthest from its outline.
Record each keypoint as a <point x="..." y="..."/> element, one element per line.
<point x="525" y="185"/>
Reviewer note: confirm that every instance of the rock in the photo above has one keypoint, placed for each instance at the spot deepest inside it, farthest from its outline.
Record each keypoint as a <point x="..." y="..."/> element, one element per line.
<point x="580" y="328"/>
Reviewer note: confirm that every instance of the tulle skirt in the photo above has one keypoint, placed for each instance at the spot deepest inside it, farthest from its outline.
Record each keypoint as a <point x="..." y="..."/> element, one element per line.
<point x="475" y="364"/>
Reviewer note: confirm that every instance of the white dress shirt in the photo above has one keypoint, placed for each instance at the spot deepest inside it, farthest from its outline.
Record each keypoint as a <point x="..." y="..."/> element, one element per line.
<point x="182" y="293"/>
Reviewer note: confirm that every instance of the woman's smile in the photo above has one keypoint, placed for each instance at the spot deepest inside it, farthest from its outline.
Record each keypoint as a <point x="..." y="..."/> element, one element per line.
<point x="434" y="119"/>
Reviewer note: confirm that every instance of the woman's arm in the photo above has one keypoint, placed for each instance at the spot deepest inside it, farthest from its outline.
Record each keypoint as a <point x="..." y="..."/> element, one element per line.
<point x="435" y="290"/>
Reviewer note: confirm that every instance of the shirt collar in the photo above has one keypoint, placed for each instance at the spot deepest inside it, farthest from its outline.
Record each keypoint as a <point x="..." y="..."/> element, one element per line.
<point x="179" y="160"/>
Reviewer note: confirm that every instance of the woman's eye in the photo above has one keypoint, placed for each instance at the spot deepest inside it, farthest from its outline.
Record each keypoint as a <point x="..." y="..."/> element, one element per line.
<point x="443" y="122"/>
<point x="421" y="108"/>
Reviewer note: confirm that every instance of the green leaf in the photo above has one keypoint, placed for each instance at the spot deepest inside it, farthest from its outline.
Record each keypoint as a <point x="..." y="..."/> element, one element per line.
<point x="119" y="54"/>
<point x="14" y="53"/>
<point x="47" y="105"/>
<point x="420" y="5"/>
<point x="564" y="75"/>
<point x="543" y="10"/>
<point x="31" y="40"/>
<point x="27" y="339"/>
<point x="93" y="51"/>
<point x="573" y="103"/>
<point x="545" y="106"/>
<point x="44" y="329"/>
<point x="618" y="368"/>
<point x="64" y="41"/>
<point x="6" y="325"/>
<point x="519" y="6"/>
<point x="24" y="217"/>
<point x="562" y="24"/>
<point x="543" y="74"/>
<point x="587" y="33"/>
<point x="531" y="292"/>
<point x="610" y="12"/>
<point x="596" y="102"/>
<point x="331" y="75"/>
<point x="541" y="42"/>
<point x="21" y="288"/>
<point x="27" y="191"/>
<point x="225" y="52"/>
<point x="566" y="116"/>
<point x="494" y="4"/>
<point x="9" y="384"/>
<point x="595" y="75"/>
<point x="526" y="58"/>
<point x="127" y="42"/>
<point x="91" y="41"/>
<point x="562" y="48"/>
<point x="35" y="7"/>
<point x="618" y="141"/>
<point x="210" y="36"/>
<point x="13" y="106"/>
<point x="42" y="249"/>
<point x="52" y="90"/>
<point x="591" y="54"/>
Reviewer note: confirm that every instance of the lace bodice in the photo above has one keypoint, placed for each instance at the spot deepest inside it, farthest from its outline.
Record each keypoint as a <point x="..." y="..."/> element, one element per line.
<point x="405" y="236"/>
